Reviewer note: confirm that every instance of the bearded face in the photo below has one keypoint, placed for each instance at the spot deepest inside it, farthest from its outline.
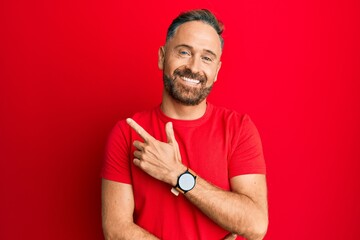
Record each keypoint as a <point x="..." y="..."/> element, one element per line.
<point x="187" y="87"/>
<point x="190" y="61"/>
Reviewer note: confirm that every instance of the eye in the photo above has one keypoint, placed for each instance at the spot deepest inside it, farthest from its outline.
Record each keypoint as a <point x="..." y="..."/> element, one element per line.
<point x="184" y="53"/>
<point x="207" y="59"/>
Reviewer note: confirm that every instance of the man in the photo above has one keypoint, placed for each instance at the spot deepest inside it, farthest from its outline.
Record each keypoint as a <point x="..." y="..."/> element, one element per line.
<point x="186" y="169"/>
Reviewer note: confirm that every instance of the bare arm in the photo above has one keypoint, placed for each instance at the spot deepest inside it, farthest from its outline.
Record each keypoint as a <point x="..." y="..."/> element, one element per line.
<point x="117" y="212"/>
<point x="242" y="211"/>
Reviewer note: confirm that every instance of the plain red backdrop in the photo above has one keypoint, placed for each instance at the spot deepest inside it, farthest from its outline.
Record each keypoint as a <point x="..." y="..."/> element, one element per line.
<point x="70" y="69"/>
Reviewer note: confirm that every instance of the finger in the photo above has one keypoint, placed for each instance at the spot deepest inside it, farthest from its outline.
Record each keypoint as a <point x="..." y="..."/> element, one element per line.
<point x="143" y="134"/>
<point x="171" y="138"/>
<point x="170" y="132"/>
<point x="137" y="162"/>
<point x="139" y="145"/>
<point x="177" y="150"/>
<point x="141" y="164"/>
<point x="138" y="154"/>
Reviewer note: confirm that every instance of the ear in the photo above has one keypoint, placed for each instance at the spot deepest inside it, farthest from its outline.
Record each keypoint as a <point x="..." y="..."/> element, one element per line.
<point x="161" y="57"/>
<point x="217" y="70"/>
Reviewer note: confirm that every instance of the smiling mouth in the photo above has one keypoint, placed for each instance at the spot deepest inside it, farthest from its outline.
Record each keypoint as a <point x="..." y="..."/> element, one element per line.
<point x="190" y="80"/>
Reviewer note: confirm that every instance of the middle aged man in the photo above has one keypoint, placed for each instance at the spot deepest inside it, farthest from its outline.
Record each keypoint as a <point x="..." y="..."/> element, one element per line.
<point x="211" y="155"/>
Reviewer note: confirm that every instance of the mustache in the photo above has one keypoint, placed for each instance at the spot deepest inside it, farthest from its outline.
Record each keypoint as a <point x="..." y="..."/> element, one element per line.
<point x="186" y="72"/>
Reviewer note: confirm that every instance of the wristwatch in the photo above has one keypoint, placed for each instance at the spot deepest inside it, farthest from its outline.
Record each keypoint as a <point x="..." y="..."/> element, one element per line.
<point x="185" y="182"/>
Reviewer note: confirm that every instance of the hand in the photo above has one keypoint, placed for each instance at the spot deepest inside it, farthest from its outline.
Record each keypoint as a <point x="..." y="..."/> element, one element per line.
<point x="230" y="236"/>
<point x="158" y="159"/>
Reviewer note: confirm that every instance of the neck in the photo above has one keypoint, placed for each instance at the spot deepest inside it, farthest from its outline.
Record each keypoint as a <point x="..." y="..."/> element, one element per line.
<point x="176" y="110"/>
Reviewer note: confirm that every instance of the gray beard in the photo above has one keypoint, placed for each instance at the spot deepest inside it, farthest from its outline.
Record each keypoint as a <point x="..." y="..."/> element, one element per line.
<point x="186" y="95"/>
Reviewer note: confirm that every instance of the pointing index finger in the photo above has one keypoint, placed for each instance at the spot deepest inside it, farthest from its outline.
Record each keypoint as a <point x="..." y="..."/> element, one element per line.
<point x="141" y="131"/>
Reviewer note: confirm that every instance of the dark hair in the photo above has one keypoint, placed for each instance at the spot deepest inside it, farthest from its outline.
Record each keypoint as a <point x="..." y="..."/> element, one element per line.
<point x="202" y="15"/>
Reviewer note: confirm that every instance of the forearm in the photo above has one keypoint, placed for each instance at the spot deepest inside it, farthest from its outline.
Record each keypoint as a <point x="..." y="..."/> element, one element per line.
<point x="127" y="231"/>
<point x="117" y="213"/>
<point x="234" y="212"/>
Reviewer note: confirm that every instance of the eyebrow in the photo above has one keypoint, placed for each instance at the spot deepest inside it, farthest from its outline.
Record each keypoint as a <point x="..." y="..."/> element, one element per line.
<point x="190" y="47"/>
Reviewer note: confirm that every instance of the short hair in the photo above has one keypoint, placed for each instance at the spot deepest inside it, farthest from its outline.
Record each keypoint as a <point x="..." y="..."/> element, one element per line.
<point x="202" y="15"/>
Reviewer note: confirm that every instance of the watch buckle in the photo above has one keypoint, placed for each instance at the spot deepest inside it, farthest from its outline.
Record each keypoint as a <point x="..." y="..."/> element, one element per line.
<point x="175" y="191"/>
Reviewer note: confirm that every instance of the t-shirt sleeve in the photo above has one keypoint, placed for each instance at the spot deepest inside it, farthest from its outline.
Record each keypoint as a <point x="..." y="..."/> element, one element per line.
<point x="247" y="156"/>
<point x="116" y="165"/>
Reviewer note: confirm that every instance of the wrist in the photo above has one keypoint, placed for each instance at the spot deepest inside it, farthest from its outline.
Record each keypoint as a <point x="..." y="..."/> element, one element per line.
<point x="185" y="182"/>
<point x="176" y="174"/>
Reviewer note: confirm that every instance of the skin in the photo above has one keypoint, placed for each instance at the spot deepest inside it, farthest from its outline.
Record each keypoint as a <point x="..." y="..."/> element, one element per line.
<point x="243" y="210"/>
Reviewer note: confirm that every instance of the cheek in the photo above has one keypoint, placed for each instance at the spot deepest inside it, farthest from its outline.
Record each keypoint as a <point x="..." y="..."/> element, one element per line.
<point x="210" y="73"/>
<point x="167" y="68"/>
<point x="171" y="66"/>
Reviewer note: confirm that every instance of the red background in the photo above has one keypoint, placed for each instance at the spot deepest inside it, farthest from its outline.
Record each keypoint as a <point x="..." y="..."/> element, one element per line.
<point x="70" y="69"/>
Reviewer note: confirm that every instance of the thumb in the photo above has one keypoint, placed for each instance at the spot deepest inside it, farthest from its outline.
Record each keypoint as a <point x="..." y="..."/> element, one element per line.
<point x="171" y="139"/>
<point x="170" y="132"/>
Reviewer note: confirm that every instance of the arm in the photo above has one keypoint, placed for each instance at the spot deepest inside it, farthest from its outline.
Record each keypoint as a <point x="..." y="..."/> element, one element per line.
<point x="117" y="212"/>
<point x="242" y="211"/>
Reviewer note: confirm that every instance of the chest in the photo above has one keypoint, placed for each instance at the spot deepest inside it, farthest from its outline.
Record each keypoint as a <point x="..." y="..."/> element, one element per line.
<point x="206" y="152"/>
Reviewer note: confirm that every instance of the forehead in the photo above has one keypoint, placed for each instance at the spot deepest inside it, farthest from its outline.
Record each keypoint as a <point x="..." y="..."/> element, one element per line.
<point x="197" y="34"/>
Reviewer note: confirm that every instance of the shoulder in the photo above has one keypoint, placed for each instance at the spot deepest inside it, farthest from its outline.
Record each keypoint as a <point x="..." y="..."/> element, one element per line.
<point x="239" y="125"/>
<point x="146" y="115"/>
<point x="230" y="116"/>
<point x="144" y="118"/>
<point x="139" y="117"/>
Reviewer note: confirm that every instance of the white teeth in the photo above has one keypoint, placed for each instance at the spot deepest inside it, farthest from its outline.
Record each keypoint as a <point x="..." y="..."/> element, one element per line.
<point x="190" y="80"/>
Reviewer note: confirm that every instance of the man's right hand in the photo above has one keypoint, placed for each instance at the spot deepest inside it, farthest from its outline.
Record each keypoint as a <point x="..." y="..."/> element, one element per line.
<point x="230" y="236"/>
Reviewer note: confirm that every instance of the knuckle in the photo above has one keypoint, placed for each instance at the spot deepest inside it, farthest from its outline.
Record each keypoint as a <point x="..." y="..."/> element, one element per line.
<point x="146" y="149"/>
<point x="143" y="165"/>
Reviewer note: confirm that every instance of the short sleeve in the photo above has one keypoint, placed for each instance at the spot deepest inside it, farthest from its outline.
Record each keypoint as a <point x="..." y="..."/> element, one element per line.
<point x="247" y="156"/>
<point x="116" y="165"/>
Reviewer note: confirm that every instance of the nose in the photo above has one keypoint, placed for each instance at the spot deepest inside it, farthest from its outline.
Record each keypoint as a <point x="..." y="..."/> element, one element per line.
<point x="194" y="64"/>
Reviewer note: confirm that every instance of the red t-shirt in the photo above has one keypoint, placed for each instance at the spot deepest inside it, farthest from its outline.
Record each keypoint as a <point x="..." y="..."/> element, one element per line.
<point x="218" y="146"/>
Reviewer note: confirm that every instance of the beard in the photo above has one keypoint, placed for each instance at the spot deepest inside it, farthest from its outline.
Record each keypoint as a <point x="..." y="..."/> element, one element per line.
<point x="184" y="94"/>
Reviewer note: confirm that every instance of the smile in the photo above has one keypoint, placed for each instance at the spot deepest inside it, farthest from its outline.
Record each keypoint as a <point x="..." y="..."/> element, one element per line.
<point x="189" y="80"/>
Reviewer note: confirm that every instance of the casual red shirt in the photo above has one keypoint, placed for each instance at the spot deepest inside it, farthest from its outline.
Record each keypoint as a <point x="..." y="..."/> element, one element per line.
<point x="218" y="146"/>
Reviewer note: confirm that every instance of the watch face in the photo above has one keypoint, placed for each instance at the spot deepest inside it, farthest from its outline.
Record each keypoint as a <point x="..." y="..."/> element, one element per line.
<point x="186" y="181"/>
